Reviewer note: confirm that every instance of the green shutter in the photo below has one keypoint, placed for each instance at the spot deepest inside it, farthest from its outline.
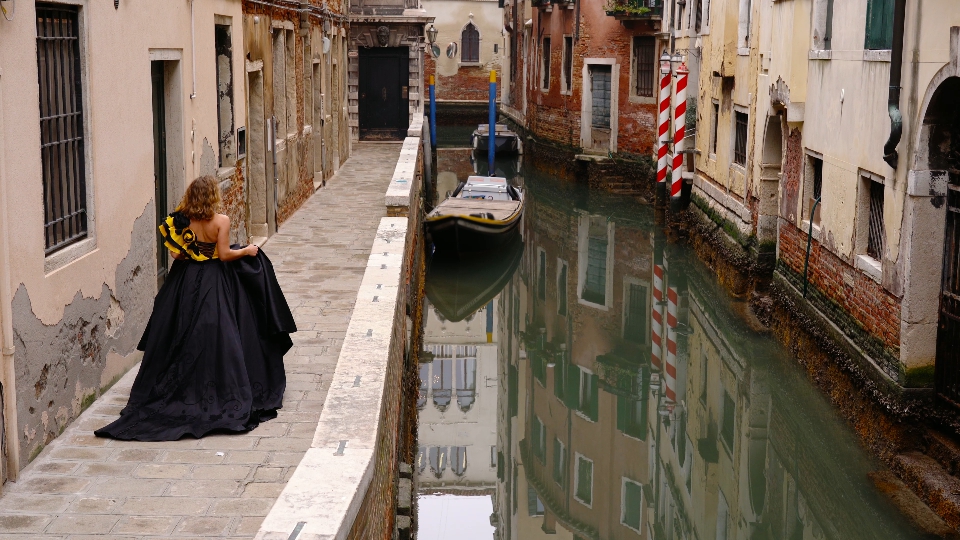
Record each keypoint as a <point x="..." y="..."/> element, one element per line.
<point x="879" y="25"/>
<point x="594" y="406"/>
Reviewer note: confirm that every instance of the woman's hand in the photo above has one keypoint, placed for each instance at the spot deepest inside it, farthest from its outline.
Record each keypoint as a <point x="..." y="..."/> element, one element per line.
<point x="252" y="250"/>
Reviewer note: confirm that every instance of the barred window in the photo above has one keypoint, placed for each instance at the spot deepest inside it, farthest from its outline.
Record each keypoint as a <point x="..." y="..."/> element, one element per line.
<point x="567" y="63"/>
<point x="61" y="125"/>
<point x="876" y="232"/>
<point x="644" y="54"/>
<point x="546" y="63"/>
<point x="713" y="128"/>
<point x="470" y="44"/>
<point x="740" y="146"/>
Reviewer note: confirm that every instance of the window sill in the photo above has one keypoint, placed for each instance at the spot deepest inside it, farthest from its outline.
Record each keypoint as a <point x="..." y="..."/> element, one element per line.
<point x="585" y="417"/>
<point x="805" y="226"/>
<point x="581" y="502"/>
<point x="469" y="64"/>
<point x="820" y="54"/>
<point x="876" y="55"/>
<point x="59" y="260"/>
<point x="643" y="100"/>
<point x="566" y="92"/>
<point x="743" y="51"/>
<point x="871" y="267"/>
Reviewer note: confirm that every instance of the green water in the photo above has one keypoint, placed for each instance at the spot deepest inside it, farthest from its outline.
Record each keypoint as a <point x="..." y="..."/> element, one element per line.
<point x="553" y="413"/>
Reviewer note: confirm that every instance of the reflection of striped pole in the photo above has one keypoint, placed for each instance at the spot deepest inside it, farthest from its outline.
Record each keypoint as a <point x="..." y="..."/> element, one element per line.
<point x="663" y="137"/>
<point x="492" y="130"/>
<point x="671" y="370"/>
<point x="433" y="113"/>
<point x="679" y="130"/>
<point x="656" y="325"/>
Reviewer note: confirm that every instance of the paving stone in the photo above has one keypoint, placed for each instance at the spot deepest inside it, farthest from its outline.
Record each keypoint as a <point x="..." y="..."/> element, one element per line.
<point x="77" y="453"/>
<point x="253" y="457"/>
<point x="243" y="507"/>
<point x="263" y="490"/>
<point x="206" y="526"/>
<point x="145" y="525"/>
<point x="164" y="506"/>
<point x="268" y="474"/>
<point x="113" y="487"/>
<point x="52" y="484"/>
<point x="24" y="524"/>
<point x="106" y="469"/>
<point x="57" y="467"/>
<point x="92" y="505"/>
<point x="83" y="524"/>
<point x="159" y="470"/>
<point x="17" y="502"/>
<point x="203" y="488"/>
<point x="192" y="456"/>
<point x="136" y="454"/>
<point x="249" y="526"/>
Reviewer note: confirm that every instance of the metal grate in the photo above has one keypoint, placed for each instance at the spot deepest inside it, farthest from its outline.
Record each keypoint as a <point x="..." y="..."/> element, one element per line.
<point x="644" y="49"/>
<point x="740" y="146"/>
<point x="470" y="44"/>
<point x="947" y="366"/>
<point x="568" y="62"/>
<point x="61" y="126"/>
<point x="713" y="131"/>
<point x="546" y="63"/>
<point x="817" y="178"/>
<point x="698" y="21"/>
<point x="876" y="234"/>
<point x="562" y="291"/>
<point x="595" y="285"/>
<point x="636" y="324"/>
<point x="600" y="85"/>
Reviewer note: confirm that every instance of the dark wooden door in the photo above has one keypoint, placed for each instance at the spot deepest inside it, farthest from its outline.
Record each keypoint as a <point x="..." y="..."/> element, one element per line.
<point x="948" y="331"/>
<point x="160" y="163"/>
<point x="383" y="100"/>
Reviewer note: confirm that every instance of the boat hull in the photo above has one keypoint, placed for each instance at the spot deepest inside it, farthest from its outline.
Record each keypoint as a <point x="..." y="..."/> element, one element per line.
<point x="505" y="144"/>
<point x="466" y="235"/>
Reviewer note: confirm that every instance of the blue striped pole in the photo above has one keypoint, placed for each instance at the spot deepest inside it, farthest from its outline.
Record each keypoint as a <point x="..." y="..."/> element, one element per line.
<point x="492" y="129"/>
<point x="433" y="113"/>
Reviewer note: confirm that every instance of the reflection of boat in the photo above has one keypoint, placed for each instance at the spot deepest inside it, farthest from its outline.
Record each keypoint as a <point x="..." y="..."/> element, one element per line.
<point x="478" y="217"/>
<point x="459" y="286"/>
<point x="505" y="141"/>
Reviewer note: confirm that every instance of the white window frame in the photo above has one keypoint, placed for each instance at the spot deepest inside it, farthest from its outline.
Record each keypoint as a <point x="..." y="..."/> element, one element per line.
<point x="588" y="372"/>
<point x="583" y="247"/>
<point x="576" y="478"/>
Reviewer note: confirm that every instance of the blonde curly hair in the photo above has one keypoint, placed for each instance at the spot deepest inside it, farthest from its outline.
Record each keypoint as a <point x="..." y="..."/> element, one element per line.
<point x="201" y="200"/>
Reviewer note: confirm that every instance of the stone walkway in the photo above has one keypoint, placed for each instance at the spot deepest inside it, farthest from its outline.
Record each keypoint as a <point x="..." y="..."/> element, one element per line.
<point x="220" y="486"/>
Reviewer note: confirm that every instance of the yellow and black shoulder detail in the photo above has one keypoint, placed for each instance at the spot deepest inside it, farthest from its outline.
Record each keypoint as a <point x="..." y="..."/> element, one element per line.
<point x="179" y="238"/>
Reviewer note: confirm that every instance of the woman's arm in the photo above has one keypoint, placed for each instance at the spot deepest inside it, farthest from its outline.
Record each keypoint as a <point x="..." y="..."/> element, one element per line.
<point x="177" y="255"/>
<point x="223" y="241"/>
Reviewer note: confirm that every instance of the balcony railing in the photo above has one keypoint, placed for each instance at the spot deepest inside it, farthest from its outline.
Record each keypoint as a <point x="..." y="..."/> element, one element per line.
<point x="634" y="9"/>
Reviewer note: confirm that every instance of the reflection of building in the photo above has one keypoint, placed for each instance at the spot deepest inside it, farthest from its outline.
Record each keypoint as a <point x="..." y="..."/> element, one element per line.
<point x="470" y="42"/>
<point x="458" y="403"/>
<point x="635" y="404"/>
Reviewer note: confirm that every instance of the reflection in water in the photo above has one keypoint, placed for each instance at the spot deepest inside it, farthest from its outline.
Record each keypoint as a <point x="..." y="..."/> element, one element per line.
<point x="617" y="395"/>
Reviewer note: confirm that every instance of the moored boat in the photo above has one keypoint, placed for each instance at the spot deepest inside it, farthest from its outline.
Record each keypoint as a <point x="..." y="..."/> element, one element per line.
<point x="481" y="215"/>
<point x="505" y="141"/>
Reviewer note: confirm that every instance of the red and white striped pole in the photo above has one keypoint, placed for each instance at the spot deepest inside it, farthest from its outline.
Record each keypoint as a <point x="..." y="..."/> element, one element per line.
<point x="663" y="135"/>
<point x="671" y="371"/>
<point x="679" y="131"/>
<point x="656" y="325"/>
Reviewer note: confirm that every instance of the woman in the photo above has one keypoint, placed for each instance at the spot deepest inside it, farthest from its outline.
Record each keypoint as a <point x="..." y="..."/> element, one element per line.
<point x="213" y="348"/>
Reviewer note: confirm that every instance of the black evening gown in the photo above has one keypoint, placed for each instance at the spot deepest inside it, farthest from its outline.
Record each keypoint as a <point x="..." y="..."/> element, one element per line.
<point x="212" y="353"/>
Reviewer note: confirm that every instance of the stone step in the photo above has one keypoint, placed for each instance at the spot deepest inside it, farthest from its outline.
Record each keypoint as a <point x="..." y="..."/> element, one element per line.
<point x="944" y="450"/>
<point x="937" y="489"/>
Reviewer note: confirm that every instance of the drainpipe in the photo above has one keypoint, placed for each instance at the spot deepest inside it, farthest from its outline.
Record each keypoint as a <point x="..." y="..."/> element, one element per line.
<point x="8" y="400"/>
<point x="193" y="51"/>
<point x="890" y="154"/>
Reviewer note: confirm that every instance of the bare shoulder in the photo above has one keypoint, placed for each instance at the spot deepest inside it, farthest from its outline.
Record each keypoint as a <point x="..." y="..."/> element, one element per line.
<point x="221" y="219"/>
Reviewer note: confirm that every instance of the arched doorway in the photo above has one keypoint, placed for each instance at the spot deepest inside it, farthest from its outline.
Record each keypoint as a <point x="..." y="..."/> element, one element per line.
<point x="768" y="190"/>
<point x="941" y="131"/>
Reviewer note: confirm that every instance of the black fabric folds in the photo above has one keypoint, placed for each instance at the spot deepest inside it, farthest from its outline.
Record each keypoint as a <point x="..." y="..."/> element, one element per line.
<point x="212" y="353"/>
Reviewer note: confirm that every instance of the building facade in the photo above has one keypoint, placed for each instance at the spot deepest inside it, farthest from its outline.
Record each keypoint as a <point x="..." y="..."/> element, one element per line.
<point x="584" y="75"/>
<point x="470" y="40"/>
<point x="385" y="57"/>
<point x="101" y="131"/>
<point x="797" y="140"/>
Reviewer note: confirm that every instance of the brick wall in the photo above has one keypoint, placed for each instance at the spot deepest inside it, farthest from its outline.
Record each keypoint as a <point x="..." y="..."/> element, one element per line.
<point x="470" y="83"/>
<point x="860" y="306"/>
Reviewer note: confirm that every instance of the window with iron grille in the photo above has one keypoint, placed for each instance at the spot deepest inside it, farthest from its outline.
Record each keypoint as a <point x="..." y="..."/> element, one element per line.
<point x="546" y="63"/>
<point x="567" y="63"/>
<point x="61" y="126"/>
<point x="879" y="34"/>
<point x="542" y="276"/>
<point x="223" y="45"/>
<point x="644" y="55"/>
<point x="470" y="44"/>
<point x="600" y="87"/>
<point x="562" y="290"/>
<point x="635" y="324"/>
<point x="876" y="233"/>
<point x="817" y="177"/>
<point x="698" y="18"/>
<point x="713" y="129"/>
<point x="595" y="286"/>
<point x="740" y="144"/>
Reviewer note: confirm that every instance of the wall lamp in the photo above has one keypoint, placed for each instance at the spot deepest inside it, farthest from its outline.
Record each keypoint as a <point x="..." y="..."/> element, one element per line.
<point x="432" y="34"/>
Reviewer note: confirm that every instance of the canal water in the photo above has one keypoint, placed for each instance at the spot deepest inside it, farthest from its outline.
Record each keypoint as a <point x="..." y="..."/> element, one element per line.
<point x="594" y="381"/>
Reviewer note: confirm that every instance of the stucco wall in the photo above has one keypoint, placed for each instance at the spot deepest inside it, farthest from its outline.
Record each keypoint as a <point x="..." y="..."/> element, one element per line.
<point x="113" y="271"/>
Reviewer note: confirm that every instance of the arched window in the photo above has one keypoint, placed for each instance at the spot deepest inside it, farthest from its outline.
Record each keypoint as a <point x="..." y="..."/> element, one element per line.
<point x="470" y="44"/>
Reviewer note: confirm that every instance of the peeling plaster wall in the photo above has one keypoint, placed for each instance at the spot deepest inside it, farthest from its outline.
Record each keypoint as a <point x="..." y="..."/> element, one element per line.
<point x="63" y="367"/>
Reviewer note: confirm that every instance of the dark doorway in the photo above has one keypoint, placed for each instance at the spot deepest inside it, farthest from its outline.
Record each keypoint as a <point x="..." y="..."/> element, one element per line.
<point x="160" y="162"/>
<point x="942" y="122"/>
<point x="383" y="103"/>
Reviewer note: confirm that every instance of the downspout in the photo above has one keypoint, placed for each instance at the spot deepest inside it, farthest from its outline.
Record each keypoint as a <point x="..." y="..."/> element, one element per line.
<point x="193" y="51"/>
<point x="890" y="154"/>
<point x="7" y="371"/>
